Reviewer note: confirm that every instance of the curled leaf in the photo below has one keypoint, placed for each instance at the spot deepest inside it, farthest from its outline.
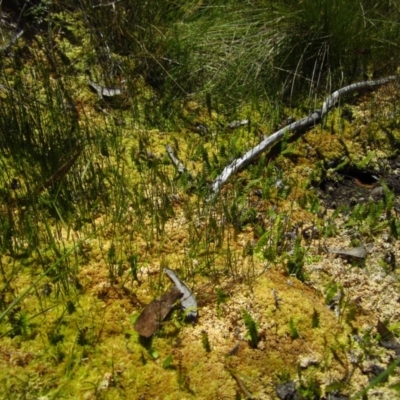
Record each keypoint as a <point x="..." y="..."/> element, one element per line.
<point x="357" y="252"/>
<point x="155" y="312"/>
<point x="188" y="301"/>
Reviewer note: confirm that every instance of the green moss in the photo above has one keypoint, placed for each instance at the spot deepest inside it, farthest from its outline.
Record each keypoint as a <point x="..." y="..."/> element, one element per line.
<point x="101" y="233"/>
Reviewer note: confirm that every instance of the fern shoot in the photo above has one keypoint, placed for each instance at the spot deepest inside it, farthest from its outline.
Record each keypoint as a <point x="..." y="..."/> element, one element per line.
<point x="251" y="327"/>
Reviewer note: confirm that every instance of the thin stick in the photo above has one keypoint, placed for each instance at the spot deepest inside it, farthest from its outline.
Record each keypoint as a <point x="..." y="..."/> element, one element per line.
<point x="177" y="163"/>
<point x="62" y="171"/>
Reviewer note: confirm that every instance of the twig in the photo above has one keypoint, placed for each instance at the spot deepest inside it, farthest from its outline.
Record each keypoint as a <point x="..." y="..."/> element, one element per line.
<point x="305" y="123"/>
<point x="12" y="41"/>
<point x="62" y="171"/>
<point x="112" y="4"/>
<point x="103" y="91"/>
<point x="241" y="385"/>
<point x="178" y="165"/>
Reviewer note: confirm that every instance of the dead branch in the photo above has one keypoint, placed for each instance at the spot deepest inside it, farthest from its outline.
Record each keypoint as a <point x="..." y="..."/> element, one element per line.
<point x="298" y="126"/>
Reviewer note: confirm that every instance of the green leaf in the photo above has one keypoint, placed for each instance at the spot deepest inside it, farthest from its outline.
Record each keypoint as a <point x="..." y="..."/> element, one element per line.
<point x="168" y="362"/>
<point x="153" y="354"/>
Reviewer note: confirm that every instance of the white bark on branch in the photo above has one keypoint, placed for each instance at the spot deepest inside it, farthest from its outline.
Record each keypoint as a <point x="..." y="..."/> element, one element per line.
<point x="297" y="126"/>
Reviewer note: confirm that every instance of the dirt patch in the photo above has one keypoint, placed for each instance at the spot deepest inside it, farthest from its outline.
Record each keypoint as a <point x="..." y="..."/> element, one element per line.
<point x="351" y="185"/>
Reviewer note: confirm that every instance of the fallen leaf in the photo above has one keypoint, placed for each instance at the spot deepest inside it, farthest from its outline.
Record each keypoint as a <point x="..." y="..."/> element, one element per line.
<point x="358" y="252"/>
<point x="155" y="312"/>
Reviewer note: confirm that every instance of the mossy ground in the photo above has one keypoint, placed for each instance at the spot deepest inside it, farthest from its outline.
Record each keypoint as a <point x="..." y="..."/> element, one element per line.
<point x="77" y="339"/>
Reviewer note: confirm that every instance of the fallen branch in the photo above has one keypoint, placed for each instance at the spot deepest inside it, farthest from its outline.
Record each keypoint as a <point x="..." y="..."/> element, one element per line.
<point x="303" y="124"/>
<point x="334" y="97"/>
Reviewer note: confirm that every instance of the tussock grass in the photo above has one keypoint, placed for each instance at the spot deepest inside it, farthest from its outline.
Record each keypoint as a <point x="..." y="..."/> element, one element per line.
<point x="279" y="50"/>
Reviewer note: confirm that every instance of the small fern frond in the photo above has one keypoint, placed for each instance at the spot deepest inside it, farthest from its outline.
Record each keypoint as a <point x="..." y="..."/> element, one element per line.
<point x="251" y="327"/>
